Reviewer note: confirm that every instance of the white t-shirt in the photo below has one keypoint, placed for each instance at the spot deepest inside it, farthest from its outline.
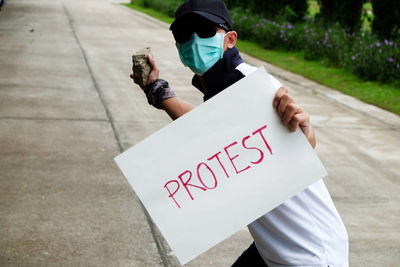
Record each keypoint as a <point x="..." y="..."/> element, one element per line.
<point x="305" y="230"/>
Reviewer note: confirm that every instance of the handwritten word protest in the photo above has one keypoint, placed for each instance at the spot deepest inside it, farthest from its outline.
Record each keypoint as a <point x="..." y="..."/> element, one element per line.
<point x="213" y="171"/>
<point x="185" y="177"/>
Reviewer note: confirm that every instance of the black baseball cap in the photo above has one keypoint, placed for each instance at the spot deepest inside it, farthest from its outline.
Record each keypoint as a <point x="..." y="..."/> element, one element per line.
<point x="213" y="10"/>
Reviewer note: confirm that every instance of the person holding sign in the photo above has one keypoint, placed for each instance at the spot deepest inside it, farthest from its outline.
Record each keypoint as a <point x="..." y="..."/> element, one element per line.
<point x="306" y="230"/>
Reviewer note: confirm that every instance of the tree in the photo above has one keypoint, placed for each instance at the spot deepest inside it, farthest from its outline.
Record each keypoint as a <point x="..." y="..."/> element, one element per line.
<point x="293" y="10"/>
<point x="350" y="14"/>
<point x="386" y="18"/>
<point x="299" y="7"/>
<point x="346" y="12"/>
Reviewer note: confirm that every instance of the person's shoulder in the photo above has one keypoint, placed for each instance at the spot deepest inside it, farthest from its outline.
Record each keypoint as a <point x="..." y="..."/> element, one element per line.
<point x="246" y="69"/>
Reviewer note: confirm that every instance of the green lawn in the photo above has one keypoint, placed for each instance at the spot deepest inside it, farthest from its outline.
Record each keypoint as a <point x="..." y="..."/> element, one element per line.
<point x="151" y="12"/>
<point x="381" y="95"/>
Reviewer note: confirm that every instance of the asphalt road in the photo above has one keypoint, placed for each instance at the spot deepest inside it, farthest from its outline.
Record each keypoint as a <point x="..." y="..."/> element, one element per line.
<point x="68" y="107"/>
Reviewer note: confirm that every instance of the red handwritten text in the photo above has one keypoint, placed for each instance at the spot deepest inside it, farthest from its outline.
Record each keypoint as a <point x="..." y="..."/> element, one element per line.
<point x="207" y="177"/>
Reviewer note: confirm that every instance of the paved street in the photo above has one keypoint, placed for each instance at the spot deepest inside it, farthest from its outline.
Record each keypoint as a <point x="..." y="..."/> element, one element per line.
<point x="68" y="107"/>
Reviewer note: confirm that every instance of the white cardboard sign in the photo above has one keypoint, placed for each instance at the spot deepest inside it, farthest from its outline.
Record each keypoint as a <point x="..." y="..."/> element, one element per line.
<point x="219" y="167"/>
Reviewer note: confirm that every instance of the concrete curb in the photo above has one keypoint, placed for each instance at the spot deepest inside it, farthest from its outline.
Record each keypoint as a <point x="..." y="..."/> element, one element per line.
<point x="370" y="110"/>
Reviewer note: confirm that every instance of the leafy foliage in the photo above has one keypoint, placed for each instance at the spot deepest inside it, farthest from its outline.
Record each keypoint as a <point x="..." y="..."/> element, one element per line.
<point x="346" y="12"/>
<point x="291" y="10"/>
<point x="333" y="43"/>
<point x="386" y="23"/>
<point x="359" y="52"/>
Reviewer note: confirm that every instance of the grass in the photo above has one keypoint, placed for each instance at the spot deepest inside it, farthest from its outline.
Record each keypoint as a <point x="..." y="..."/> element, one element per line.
<point x="151" y="12"/>
<point x="381" y="95"/>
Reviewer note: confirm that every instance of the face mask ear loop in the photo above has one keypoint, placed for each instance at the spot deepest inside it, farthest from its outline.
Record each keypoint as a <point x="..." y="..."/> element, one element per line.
<point x="226" y="34"/>
<point x="223" y="40"/>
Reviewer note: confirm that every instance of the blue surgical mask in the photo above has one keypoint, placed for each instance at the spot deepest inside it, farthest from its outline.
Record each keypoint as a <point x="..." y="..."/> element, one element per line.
<point x="200" y="54"/>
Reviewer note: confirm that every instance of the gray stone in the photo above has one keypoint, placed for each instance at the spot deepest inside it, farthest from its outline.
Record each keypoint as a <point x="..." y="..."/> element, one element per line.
<point x="141" y="67"/>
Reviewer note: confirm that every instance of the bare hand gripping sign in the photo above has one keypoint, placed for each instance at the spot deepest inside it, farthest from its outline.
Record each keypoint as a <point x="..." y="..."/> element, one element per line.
<point x="219" y="167"/>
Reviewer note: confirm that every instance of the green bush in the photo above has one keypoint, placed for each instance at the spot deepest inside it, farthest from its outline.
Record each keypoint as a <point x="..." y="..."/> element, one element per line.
<point x="359" y="52"/>
<point x="269" y="33"/>
<point x="376" y="60"/>
<point x="291" y="10"/>
<point x="334" y="44"/>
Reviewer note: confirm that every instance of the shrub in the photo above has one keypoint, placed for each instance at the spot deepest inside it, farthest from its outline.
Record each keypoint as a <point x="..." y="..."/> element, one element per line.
<point x="359" y="51"/>
<point x="376" y="60"/>
<point x="269" y="33"/>
<point x="312" y="44"/>
<point x="332" y="43"/>
<point x="291" y="10"/>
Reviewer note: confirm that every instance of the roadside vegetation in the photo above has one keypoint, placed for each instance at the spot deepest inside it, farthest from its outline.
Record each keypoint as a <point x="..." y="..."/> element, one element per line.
<point x="350" y="52"/>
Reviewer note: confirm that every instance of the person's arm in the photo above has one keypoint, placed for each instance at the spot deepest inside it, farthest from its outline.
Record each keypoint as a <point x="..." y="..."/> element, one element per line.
<point x="174" y="106"/>
<point x="293" y="115"/>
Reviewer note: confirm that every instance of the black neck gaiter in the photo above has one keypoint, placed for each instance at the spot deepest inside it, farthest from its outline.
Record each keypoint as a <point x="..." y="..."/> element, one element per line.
<point x="221" y="75"/>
